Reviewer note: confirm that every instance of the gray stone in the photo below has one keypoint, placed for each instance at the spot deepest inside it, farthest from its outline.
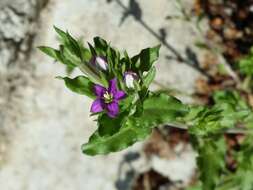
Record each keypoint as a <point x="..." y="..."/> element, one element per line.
<point x="45" y="124"/>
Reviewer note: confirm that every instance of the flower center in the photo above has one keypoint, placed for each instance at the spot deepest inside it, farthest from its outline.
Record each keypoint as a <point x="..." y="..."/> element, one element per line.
<point x="108" y="97"/>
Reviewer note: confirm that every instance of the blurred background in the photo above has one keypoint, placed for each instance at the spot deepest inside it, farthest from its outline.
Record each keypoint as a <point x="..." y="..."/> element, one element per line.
<point x="40" y="138"/>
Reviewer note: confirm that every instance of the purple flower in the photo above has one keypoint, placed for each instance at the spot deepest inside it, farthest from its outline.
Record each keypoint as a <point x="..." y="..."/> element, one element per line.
<point x="100" y="62"/>
<point x="107" y="99"/>
<point x="129" y="78"/>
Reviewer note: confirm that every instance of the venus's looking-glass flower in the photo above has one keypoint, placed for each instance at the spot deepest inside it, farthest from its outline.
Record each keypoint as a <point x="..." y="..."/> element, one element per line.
<point x="129" y="78"/>
<point x="100" y="62"/>
<point x="107" y="99"/>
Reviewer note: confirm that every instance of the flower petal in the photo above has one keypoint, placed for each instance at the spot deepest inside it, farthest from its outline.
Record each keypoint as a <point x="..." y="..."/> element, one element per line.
<point x="119" y="95"/>
<point x="129" y="80"/>
<point x="113" y="86"/>
<point x="112" y="109"/>
<point x="99" y="90"/>
<point x="97" y="106"/>
<point x="101" y="62"/>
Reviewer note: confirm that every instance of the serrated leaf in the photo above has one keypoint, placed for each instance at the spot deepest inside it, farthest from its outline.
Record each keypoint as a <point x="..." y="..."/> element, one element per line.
<point x="80" y="84"/>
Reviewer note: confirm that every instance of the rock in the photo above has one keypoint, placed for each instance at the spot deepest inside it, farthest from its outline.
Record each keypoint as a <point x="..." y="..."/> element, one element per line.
<point x="44" y="134"/>
<point x="18" y="20"/>
<point x="18" y="27"/>
<point x="180" y="168"/>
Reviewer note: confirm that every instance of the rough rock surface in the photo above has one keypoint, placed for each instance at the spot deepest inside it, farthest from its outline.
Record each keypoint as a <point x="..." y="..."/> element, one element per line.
<point x="43" y="124"/>
<point x="18" y="20"/>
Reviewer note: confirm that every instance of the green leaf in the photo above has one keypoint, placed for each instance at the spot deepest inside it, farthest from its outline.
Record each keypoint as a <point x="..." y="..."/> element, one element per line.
<point x="207" y="121"/>
<point x="70" y="46"/>
<point x="246" y="64"/>
<point x="71" y="53"/>
<point x="128" y="101"/>
<point x="211" y="161"/>
<point x="70" y="57"/>
<point x="74" y="46"/>
<point x="149" y="77"/>
<point x="91" y="73"/>
<point x="233" y="98"/>
<point x="157" y="109"/>
<point x="51" y="52"/>
<point x="146" y="58"/>
<point x="63" y="36"/>
<point x="126" y="62"/>
<point x="113" y="59"/>
<point x="244" y="173"/>
<point x="242" y="178"/>
<point x="119" y="141"/>
<point x="228" y="110"/>
<point x="67" y="39"/>
<point x="109" y="126"/>
<point x="100" y="45"/>
<point x="57" y="55"/>
<point x="92" y="49"/>
<point x="85" y="53"/>
<point x="80" y="84"/>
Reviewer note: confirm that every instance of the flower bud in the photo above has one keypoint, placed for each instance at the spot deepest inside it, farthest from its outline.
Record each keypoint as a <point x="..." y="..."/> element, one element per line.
<point x="129" y="78"/>
<point x="100" y="62"/>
